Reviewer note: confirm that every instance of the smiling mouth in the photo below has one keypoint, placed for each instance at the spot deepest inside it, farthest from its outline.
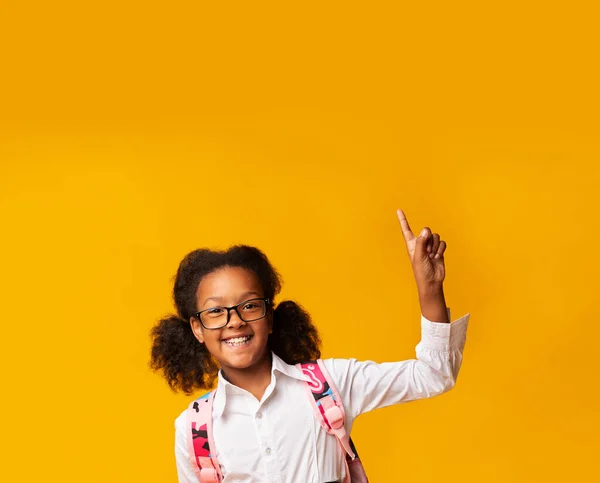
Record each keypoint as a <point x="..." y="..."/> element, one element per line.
<point x="238" y="341"/>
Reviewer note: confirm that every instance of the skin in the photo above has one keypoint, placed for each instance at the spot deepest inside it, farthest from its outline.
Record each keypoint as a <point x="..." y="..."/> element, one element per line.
<point x="426" y="253"/>
<point x="248" y="366"/>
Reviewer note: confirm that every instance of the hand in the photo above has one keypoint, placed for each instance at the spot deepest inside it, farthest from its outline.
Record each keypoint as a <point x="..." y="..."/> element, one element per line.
<point x="426" y="254"/>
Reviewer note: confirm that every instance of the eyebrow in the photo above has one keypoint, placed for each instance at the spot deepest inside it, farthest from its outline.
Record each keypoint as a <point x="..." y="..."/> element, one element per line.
<point x="245" y="294"/>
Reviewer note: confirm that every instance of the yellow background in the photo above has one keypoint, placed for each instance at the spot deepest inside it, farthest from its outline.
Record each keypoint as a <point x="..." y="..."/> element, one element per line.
<point x="132" y="133"/>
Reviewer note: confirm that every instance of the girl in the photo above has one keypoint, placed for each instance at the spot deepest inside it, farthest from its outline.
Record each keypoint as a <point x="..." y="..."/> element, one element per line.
<point x="229" y="332"/>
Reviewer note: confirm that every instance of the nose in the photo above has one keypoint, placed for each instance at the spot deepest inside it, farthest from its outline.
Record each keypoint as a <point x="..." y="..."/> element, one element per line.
<point x="234" y="319"/>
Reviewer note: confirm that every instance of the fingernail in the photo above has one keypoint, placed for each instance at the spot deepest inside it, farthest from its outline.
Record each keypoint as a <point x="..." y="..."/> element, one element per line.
<point x="424" y="232"/>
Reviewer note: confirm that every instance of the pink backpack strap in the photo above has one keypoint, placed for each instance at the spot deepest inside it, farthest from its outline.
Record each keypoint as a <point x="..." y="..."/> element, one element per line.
<point x="330" y="413"/>
<point x="327" y="402"/>
<point x="201" y="444"/>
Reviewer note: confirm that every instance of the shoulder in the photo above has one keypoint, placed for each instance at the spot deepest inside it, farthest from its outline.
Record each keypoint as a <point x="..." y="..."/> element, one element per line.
<point x="338" y="367"/>
<point x="349" y="372"/>
<point x="341" y="371"/>
<point x="180" y="421"/>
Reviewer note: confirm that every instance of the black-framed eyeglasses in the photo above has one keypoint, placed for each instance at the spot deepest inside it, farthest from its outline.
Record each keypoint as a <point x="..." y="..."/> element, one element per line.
<point x="248" y="311"/>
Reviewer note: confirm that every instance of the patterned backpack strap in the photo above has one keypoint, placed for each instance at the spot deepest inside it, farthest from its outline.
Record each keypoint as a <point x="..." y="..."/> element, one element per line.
<point x="330" y="413"/>
<point x="201" y="445"/>
<point x="327" y="402"/>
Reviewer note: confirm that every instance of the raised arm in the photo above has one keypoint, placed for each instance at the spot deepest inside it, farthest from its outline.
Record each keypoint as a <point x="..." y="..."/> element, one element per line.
<point x="367" y="385"/>
<point x="426" y="253"/>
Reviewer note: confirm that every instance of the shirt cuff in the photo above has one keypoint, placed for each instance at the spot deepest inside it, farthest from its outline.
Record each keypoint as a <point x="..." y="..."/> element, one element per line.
<point x="441" y="336"/>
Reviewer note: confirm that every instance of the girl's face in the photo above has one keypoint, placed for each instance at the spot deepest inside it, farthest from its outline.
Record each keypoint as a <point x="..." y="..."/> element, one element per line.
<point x="226" y="287"/>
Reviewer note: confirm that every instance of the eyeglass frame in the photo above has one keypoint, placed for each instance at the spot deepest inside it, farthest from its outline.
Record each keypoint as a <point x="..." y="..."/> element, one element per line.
<point x="234" y="307"/>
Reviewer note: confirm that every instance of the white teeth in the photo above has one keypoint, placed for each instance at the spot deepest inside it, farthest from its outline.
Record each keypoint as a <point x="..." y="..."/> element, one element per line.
<point x="237" y="341"/>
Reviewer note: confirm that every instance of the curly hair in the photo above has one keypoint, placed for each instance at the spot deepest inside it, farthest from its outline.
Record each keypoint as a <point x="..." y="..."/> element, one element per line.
<point x="183" y="361"/>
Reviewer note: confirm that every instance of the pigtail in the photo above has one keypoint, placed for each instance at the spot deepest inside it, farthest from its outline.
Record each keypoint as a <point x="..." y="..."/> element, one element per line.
<point x="295" y="338"/>
<point x="179" y="357"/>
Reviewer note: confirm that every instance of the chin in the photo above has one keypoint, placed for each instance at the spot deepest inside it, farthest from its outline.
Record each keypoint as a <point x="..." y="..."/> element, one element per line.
<point x="243" y="360"/>
<point x="237" y="362"/>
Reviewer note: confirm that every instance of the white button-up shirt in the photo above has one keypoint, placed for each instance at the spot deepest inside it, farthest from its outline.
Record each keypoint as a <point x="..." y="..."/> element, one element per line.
<point x="279" y="440"/>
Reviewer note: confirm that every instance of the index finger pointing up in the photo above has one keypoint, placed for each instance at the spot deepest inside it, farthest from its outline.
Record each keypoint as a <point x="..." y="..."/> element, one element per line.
<point x="406" y="231"/>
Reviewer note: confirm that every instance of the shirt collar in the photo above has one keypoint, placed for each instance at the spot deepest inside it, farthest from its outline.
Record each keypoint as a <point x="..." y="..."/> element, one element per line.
<point x="224" y="386"/>
<point x="289" y="370"/>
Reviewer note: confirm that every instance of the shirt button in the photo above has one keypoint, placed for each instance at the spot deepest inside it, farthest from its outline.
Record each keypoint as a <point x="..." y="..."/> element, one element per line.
<point x="268" y="451"/>
<point x="259" y="415"/>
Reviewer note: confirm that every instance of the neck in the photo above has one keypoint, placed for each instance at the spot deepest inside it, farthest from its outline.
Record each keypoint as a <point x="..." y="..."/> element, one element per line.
<point x="253" y="379"/>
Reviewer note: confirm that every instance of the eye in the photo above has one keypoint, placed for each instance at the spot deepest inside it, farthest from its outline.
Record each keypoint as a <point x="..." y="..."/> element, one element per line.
<point x="215" y="311"/>
<point x="250" y="306"/>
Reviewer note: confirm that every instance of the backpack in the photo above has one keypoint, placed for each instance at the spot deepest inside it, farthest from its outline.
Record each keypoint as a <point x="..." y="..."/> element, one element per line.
<point x="328" y="409"/>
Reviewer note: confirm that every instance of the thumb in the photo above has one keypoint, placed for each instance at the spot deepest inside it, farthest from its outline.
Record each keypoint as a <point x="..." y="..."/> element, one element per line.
<point x="421" y="245"/>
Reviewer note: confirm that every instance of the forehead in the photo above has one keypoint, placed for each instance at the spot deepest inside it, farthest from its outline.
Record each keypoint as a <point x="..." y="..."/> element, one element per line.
<point x="228" y="281"/>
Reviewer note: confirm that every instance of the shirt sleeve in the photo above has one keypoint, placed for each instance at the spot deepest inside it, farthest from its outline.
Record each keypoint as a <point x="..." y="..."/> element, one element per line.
<point x="185" y="472"/>
<point x="367" y="385"/>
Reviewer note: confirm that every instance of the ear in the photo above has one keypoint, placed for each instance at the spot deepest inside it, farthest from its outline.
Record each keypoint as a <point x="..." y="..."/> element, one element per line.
<point x="197" y="329"/>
